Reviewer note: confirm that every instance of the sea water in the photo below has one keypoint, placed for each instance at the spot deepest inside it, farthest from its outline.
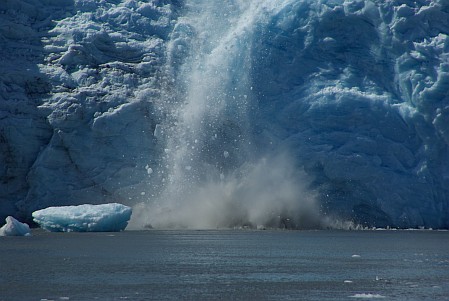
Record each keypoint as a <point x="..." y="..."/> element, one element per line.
<point x="226" y="265"/>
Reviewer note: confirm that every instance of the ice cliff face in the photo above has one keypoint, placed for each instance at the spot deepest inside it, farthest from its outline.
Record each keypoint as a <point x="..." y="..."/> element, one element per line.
<point x="79" y="81"/>
<point x="359" y="90"/>
<point x="92" y="94"/>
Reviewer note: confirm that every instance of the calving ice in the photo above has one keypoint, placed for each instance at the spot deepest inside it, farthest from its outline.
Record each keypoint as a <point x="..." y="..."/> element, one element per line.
<point x="247" y="113"/>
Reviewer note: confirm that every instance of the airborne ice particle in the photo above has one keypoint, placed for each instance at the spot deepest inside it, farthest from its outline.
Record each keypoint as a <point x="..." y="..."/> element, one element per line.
<point x="158" y="131"/>
<point x="149" y="169"/>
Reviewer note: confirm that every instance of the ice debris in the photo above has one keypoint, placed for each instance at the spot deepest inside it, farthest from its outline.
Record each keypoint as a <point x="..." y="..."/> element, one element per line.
<point x="14" y="228"/>
<point x="84" y="218"/>
<point x="368" y="296"/>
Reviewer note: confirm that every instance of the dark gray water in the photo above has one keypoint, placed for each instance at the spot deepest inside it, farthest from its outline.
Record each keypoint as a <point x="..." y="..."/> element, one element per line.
<point x="226" y="265"/>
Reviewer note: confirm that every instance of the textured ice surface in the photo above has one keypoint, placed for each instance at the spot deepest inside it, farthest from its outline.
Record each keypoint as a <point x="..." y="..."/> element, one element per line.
<point x="14" y="228"/>
<point x="78" y="80"/>
<point x="356" y="91"/>
<point x="84" y="218"/>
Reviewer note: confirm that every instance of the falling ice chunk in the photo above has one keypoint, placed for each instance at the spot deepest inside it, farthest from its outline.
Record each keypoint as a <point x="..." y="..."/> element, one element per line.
<point x="148" y="169"/>
<point x="355" y="256"/>
<point x="157" y="131"/>
<point x="226" y="154"/>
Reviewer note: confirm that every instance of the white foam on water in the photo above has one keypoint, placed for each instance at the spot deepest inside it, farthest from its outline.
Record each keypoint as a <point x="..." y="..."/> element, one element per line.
<point x="367" y="296"/>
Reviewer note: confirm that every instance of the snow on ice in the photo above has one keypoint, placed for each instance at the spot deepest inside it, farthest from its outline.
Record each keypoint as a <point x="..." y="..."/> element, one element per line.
<point x="84" y="218"/>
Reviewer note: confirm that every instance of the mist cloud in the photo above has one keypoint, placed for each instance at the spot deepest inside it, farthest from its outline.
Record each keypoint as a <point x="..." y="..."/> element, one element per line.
<point x="270" y="193"/>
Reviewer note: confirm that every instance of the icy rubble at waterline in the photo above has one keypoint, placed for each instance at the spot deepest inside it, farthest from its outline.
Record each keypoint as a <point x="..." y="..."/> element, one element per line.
<point x="84" y="218"/>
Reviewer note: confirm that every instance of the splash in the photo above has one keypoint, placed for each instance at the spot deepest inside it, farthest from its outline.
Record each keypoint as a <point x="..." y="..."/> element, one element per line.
<point x="216" y="178"/>
<point x="269" y="193"/>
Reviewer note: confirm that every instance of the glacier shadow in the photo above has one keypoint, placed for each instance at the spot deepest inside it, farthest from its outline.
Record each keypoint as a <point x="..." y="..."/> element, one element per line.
<point x="24" y="129"/>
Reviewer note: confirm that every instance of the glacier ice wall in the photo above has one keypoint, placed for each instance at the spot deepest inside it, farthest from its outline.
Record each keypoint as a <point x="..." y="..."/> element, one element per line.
<point x="79" y="80"/>
<point x="359" y="90"/>
<point x="356" y="91"/>
<point x="391" y="96"/>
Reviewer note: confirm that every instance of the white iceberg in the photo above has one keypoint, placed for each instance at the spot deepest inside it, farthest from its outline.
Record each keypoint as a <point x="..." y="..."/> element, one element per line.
<point x="14" y="228"/>
<point x="84" y="218"/>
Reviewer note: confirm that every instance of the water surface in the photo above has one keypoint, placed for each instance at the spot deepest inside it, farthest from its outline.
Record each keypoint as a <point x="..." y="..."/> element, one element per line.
<point x="226" y="265"/>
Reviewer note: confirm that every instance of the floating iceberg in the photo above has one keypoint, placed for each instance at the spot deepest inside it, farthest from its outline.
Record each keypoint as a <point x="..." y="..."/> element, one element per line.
<point x="84" y="218"/>
<point x="14" y="228"/>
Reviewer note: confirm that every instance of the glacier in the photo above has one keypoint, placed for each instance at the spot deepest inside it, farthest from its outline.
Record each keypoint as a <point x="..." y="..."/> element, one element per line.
<point x="290" y="113"/>
<point x="84" y="218"/>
